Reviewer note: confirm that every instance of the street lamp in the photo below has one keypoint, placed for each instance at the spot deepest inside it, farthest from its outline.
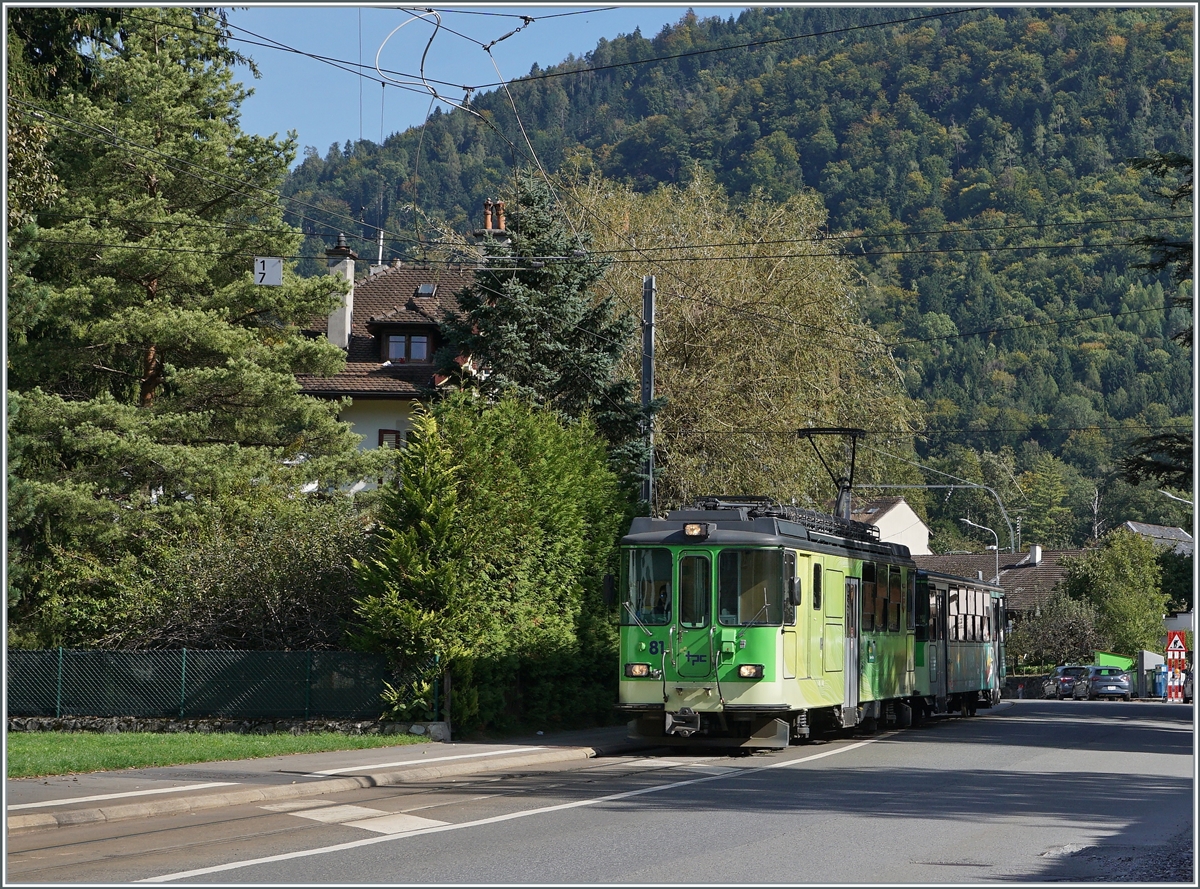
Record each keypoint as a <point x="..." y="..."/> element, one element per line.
<point x="995" y="579"/>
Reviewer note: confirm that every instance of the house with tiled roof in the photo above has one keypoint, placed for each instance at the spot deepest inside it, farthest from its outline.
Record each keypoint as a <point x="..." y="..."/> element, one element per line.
<point x="1028" y="578"/>
<point x="1163" y="536"/>
<point x="896" y="521"/>
<point x="388" y="325"/>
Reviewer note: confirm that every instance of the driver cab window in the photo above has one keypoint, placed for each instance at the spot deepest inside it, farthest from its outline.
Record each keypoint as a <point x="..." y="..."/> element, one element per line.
<point x="646" y="586"/>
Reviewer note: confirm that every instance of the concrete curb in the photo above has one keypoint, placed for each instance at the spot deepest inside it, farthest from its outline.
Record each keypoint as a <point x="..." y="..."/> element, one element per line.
<point x="182" y="805"/>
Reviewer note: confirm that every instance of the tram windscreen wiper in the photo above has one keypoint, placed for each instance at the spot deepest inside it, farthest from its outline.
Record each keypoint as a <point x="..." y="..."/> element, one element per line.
<point x="633" y="614"/>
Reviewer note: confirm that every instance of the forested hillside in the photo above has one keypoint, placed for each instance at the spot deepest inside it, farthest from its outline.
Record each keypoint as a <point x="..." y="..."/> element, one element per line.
<point x="974" y="162"/>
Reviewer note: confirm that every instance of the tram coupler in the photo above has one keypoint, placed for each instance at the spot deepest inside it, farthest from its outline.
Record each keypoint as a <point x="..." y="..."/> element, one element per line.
<point x="684" y="723"/>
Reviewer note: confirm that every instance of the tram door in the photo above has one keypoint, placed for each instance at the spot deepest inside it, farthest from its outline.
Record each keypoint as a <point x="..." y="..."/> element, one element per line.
<point x="790" y="654"/>
<point x="937" y="643"/>
<point x="806" y="638"/>
<point x="997" y="644"/>
<point x="853" y="606"/>
<point x="690" y="655"/>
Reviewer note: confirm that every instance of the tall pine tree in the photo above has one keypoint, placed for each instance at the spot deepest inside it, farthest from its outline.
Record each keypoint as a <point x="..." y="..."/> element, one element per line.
<point x="533" y="325"/>
<point x="152" y="378"/>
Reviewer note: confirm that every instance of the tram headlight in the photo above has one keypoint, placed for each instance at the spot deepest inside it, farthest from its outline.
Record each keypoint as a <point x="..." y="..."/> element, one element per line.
<point x="750" y="671"/>
<point x="698" y="529"/>
<point x="637" y="671"/>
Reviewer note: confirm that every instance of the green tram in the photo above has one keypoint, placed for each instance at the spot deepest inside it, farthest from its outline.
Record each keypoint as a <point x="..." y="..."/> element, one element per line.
<point x="747" y="623"/>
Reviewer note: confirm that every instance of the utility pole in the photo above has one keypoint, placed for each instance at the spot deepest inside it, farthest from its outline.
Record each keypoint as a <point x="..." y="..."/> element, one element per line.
<point x="648" y="294"/>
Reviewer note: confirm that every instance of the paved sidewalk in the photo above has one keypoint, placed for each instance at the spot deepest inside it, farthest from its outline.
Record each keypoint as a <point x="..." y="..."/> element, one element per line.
<point x="46" y="803"/>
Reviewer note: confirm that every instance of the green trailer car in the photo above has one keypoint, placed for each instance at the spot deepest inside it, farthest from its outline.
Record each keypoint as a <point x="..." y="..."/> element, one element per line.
<point x="747" y="623"/>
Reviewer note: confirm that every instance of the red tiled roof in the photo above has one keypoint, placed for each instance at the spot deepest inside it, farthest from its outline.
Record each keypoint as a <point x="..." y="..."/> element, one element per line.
<point x="1026" y="585"/>
<point x="870" y="511"/>
<point x="388" y="298"/>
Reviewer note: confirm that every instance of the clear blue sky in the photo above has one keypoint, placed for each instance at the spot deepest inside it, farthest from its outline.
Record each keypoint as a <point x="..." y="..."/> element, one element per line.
<point x="326" y="104"/>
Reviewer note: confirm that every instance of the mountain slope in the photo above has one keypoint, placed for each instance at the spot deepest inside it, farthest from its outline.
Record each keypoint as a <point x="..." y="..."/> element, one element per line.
<point x="976" y="161"/>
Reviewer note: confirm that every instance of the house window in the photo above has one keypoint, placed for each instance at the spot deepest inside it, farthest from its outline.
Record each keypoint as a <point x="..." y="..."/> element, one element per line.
<point x="391" y="438"/>
<point x="404" y="348"/>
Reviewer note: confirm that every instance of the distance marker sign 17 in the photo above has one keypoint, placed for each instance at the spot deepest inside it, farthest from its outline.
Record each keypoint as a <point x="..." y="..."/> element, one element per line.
<point x="268" y="271"/>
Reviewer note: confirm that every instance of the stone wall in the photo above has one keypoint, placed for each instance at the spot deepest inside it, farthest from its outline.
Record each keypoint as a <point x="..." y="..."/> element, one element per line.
<point x="435" y="731"/>
<point x="1033" y="686"/>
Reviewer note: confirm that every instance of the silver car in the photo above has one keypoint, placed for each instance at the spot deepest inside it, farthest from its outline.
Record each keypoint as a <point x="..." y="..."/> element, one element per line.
<point x="1104" y="682"/>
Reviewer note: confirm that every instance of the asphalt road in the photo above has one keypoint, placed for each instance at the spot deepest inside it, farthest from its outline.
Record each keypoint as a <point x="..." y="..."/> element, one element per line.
<point x="1031" y="791"/>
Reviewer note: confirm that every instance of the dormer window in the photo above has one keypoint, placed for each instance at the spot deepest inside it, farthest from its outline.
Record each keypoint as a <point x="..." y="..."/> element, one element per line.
<point x="407" y="348"/>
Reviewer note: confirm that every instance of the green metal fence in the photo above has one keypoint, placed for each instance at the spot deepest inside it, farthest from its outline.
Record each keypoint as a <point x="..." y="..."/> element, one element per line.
<point x="231" y="684"/>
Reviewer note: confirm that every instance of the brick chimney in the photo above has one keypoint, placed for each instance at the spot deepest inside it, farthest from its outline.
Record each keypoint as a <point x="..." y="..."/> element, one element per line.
<point x="493" y="221"/>
<point x="340" y="261"/>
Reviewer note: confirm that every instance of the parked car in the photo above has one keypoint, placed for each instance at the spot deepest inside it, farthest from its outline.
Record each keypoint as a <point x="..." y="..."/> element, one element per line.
<point x="1061" y="683"/>
<point x="1187" y="685"/>
<point x="1103" y="682"/>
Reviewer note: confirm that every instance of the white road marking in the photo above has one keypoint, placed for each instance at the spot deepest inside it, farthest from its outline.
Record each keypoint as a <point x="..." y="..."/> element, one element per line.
<point x="496" y="819"/>
<point x="709" y="769"/>
<point x="92" y="799"/>
<point x="418" y="762"/>
<point x="400" y="822"/>
<point x="376" y="820"/>
<point x="338" y="814"/>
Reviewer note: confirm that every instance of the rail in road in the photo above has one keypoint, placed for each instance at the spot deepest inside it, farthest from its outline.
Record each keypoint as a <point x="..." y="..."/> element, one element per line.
<point x="1033" y="790"/>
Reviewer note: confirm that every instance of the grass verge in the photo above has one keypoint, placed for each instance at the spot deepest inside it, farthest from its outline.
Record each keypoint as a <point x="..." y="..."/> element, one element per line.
<point x="34" y="754"/>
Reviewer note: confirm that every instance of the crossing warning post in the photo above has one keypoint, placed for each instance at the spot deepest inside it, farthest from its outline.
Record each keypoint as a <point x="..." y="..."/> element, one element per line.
<point x="1176" y="663"/>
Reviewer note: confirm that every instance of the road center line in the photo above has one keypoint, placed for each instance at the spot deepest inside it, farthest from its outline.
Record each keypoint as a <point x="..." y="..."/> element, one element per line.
<point x="371" y="841"/>
<point x="92" y="799"/>
<point x="418" y="762"/>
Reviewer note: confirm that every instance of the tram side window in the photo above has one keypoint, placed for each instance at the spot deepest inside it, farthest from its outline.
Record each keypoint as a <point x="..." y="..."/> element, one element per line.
<point x="816" y="587"/>
<point x="954" y="627"/>
<point x="646" y="586"/>
<point x="868" y="596"/>
<point x="894" y="597"/>
<point x="912" y="600"/>
<point x="881" y="599"/>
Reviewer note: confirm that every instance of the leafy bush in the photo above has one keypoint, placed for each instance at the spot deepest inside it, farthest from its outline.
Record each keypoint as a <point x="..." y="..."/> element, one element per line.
<point x="490" y="552"/>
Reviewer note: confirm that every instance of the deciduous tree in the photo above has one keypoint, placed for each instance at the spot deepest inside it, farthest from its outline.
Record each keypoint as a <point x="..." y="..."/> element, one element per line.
<point x="1122" y="579"/>
<point x="758" y="333"/>
<point x="1063" y="631"/>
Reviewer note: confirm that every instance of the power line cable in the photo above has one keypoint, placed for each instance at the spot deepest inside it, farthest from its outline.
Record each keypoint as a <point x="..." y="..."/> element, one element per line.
<point x="187" y="167"/>
<point x="990" y="330"/>
<point x="750" y="45"/>
<point x="867" y="235"/>
<point x="922" y="433"/>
